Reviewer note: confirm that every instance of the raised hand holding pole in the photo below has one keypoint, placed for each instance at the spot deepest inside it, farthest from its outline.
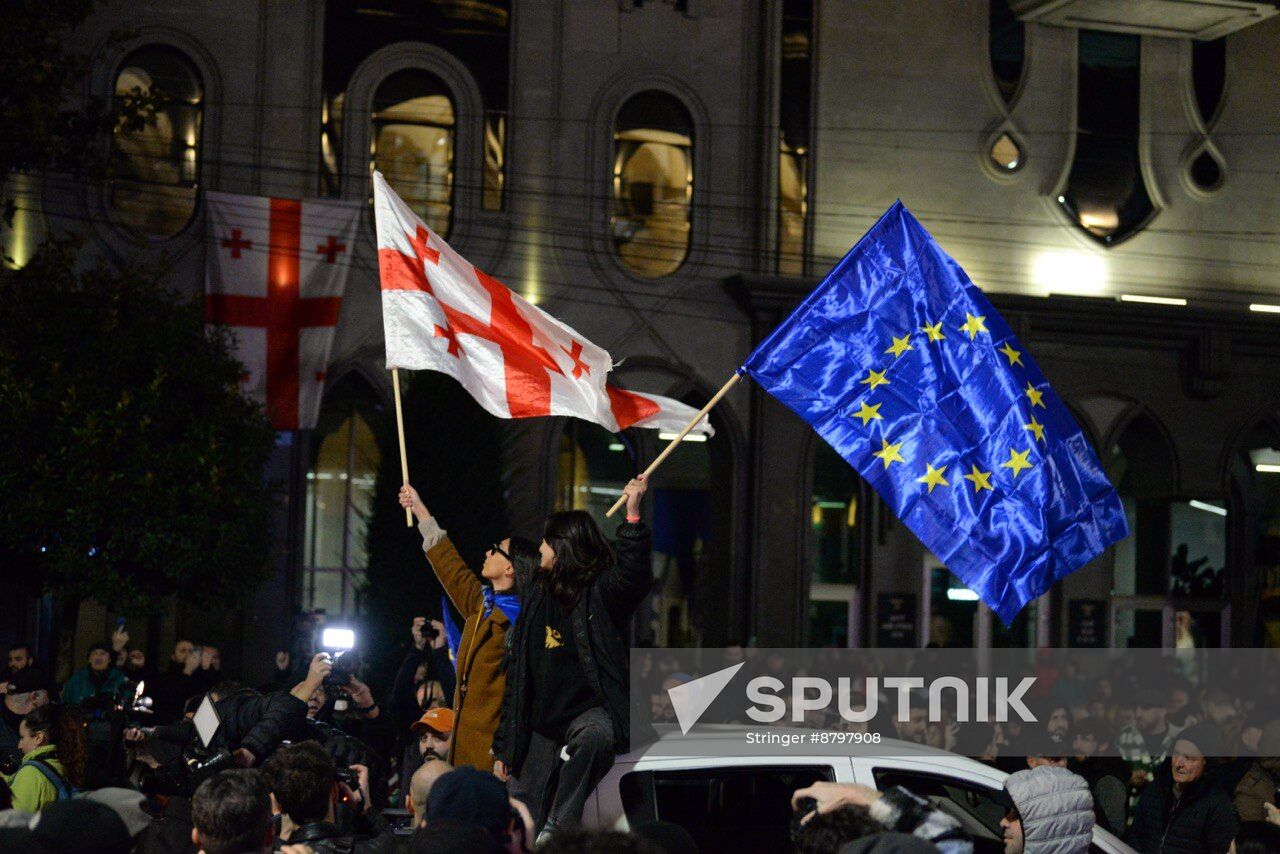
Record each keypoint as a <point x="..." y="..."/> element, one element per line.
<point x="688" y="428"/>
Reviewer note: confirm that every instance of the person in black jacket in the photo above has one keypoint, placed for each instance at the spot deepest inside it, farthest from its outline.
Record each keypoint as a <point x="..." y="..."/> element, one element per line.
<point x="567" y="673"/>
<point x="1107" y="775"/>
<point x="251" y="725"/>
<point x="1183" y="810"/>
<point x="303" y="781"/>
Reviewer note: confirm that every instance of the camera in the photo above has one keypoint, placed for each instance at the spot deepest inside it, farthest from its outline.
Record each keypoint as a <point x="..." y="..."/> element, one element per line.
<point x="345" y="664"/>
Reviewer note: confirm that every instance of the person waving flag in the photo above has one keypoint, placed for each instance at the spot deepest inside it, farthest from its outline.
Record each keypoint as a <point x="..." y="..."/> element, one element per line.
<point x="899" y="361"/>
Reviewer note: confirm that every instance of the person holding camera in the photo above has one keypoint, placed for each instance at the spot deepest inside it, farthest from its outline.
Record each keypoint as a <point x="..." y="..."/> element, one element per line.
<point x="490" y="610"/>
<point x="567" y="675"/>
<point x="327" y="809"/>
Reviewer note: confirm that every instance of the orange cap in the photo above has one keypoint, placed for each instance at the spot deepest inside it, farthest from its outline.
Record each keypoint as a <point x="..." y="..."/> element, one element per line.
<point x="440" y="720"/>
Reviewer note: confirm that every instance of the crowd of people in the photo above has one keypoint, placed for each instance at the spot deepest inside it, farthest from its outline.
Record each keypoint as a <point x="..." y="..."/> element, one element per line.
<point x="492" y="737"/>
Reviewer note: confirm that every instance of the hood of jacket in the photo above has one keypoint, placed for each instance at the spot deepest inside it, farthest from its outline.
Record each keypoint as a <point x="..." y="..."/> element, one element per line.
<point x="1056" y="809"/>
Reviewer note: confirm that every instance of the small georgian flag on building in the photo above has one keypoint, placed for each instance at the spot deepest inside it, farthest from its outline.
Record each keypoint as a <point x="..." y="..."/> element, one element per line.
<point x="440" y="313"/>
<point x="275" y="275"/>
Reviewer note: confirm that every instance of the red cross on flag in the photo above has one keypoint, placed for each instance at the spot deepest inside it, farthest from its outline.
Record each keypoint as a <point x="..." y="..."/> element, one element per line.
<point x="440" y="313"/>
<point x="275" y="274"/>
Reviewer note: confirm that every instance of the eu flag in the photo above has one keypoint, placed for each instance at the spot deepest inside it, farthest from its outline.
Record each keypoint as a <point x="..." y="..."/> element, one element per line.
<point x="898" y="360"/>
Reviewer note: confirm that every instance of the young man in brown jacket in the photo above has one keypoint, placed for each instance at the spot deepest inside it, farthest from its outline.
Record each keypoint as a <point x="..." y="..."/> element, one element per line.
<point x="490" y="611"/>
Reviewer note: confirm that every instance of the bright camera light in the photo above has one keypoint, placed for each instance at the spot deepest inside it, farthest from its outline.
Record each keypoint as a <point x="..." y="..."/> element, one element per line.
<point x="960" y="594"/>
<point x="338" y="638"/>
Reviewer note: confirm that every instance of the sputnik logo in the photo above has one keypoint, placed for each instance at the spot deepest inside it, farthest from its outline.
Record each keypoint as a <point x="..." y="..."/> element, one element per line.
<point x="693" y="698"/>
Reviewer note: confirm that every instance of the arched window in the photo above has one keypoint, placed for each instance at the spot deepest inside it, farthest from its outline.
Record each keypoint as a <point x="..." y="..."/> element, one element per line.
<point x="340" y="488"/>
<point x="835" y="548"/>
<point x="652" y="183"/>
<point x="1105" y="193"/>
<point x="592" y="467"/>
<point x="156" y="167"/>
<point x="413" y="142"/>
<point x="1174" y="558"/>
<point x="1256" y="474"/>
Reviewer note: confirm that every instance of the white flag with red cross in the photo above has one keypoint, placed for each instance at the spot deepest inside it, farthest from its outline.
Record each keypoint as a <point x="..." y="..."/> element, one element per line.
<point x="440" y="313"/>
<point x="275" y="275"/>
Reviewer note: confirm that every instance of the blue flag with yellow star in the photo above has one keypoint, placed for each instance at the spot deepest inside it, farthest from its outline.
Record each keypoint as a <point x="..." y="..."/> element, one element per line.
<point x="899" y="361"/>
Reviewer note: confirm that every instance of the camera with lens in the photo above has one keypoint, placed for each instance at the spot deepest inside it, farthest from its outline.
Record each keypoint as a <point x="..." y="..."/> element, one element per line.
<point x="345" y="664"/>
<point x="202" y="763"/>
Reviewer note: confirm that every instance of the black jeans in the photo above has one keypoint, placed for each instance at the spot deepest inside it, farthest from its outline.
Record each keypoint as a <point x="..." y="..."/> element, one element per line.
<point x="555" y="790"/>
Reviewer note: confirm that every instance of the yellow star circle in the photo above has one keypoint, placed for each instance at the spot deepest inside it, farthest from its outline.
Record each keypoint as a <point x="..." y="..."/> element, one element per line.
<point x="1018" y="461"/>
<point x="973" y="325"/>
<point x="875" y="378"/>
<point x="980" y="479"/>
<point x="1035" y="427"/>
<point x="869" y="413"/>
<point x="933" y="477"/>
<point x="1014" y="357"/>
<point x="934" y="331"/>
<point x="889" y="453"/>
<point x="900" y="346"/>
<point x="1035" y="396"/>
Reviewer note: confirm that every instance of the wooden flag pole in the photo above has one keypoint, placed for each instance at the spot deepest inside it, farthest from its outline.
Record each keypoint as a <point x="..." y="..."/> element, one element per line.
<point x="697" y="419"/>
<point x="404" y="459"/>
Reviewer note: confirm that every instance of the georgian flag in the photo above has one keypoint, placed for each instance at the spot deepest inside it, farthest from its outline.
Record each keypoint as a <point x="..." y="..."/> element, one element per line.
<point x="440" y="313"/>
<point x="275" y="274"/>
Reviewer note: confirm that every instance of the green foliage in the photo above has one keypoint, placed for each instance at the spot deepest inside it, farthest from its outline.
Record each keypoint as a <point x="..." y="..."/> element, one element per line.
<point x="455" y="464"/>
<point x="46" y="120"/>
<point x="131" y="467"/>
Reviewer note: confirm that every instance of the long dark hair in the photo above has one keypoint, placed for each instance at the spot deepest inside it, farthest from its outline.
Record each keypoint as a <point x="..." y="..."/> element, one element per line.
<point x="63" y="727"/>
<point x="525" y="559"/>
<point x="581" y="552"/>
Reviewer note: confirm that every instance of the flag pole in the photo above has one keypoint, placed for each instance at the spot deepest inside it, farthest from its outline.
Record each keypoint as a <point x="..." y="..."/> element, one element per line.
<point x="404" y="458"/>
<point x="697" y="419"/>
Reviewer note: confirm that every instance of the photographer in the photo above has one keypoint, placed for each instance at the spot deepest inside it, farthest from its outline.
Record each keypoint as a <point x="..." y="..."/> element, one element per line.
<point x="252" y="725"/>
<point x="322" y="808"/>
<point x="426" y="670"/>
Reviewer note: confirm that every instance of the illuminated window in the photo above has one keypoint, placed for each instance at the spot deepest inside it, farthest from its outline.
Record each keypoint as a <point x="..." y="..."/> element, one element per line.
<point x="795" y="92"/>
<point x="1256" y="475"/>
<point x="1105" y="193"/>
<point x="835" y="548"/>
<point x="156" y="167"/>
<point x="340" y="489"/>
<point x="652" y="184"/>
<point x="1006" y="154"/>
<point x="413" y="142"/>
<point x="592" y="467"/>
<point x="495" y="160"/>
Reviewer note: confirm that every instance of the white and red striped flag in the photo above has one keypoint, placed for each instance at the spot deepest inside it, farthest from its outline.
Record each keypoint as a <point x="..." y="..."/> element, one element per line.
<point x="440" y="313"/>
<point x="275" y="275"/>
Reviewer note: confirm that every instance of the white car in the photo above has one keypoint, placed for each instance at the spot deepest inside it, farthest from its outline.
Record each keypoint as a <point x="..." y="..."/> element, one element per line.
<point x="740" y="802"/>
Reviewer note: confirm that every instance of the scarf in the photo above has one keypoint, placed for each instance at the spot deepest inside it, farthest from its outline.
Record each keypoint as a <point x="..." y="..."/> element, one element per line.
<point x="508" y="603"/>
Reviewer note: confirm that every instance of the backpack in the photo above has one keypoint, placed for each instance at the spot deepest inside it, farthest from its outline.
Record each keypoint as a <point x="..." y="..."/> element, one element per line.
<point x="65" y="789"/>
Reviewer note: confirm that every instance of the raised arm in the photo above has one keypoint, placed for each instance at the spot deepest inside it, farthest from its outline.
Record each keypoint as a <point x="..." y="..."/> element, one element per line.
<point x="462" y="585"/>
<point x="624" y="586"/>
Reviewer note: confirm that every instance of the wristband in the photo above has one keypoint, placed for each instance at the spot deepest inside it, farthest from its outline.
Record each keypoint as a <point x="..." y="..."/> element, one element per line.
<point x="633" y="519"/>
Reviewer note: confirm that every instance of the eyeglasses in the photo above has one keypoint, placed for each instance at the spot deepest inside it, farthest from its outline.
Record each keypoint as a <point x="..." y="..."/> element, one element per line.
<point x="497" y="547"/>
